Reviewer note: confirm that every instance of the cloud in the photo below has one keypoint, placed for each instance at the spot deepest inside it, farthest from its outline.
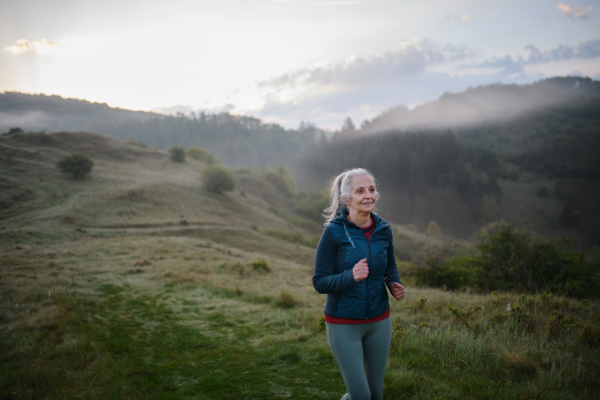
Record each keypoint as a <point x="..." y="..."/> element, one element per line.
<point x="416" y="72"/>
<point x="511" y="65"/>
<point x="412" y="57"/>
<point x="574" y="13"/>
<point x="25" y="46"/>
<point x="363" y="86"/>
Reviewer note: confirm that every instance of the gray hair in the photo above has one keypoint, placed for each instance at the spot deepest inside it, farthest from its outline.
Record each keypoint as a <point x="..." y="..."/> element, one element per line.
<point x="340" y="191"/>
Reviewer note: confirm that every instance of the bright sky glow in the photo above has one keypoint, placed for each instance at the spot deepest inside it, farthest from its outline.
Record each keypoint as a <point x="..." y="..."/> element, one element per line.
<point x="289" y="60"/>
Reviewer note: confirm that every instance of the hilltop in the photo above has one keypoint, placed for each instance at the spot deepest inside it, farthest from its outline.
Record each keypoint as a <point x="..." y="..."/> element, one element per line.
<point x="39" y="112"/>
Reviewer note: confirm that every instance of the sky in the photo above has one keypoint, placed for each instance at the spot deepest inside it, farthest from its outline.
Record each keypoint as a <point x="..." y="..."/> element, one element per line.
<point x="287" y="61"/>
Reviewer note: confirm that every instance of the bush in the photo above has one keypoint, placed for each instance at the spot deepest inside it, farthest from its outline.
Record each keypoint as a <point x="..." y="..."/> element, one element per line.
<point x="177" y="154"/>
<point x="439" y="268"/>
<point x="509" y="259"/>
<point x="311" y="205"/>
<point x="261" y="265"/>
<point x="282" y="180"/>
<point x="218" y="179"/>
<point x="513" y="175"/>
<point x="512" y="259"/>
<point x="199" y="154"/>
<point x="76" y="164"/>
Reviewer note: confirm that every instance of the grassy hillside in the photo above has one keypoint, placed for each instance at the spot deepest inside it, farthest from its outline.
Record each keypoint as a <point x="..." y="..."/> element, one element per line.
<point x="136" y="283"/>
<point x="518" y="153"/>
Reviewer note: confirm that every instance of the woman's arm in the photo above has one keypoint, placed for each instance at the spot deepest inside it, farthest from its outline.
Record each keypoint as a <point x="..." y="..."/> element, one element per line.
<point x="391" y="276"/>
<point x="325" y="280"/>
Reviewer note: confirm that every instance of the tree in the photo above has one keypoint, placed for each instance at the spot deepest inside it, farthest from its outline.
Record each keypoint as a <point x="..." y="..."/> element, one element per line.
<point x="348" y="125"/>
<point x="76" y="164"/>
<point x="218" y="179"/>
<point x="434" y="231"/>
<point x="177" y="154"/>
<point x="13" y="131"/>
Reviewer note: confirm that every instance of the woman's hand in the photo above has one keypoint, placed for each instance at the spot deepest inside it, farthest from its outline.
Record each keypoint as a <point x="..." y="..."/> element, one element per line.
<point x="360" y="270"/>
<point x="397" y="290"/>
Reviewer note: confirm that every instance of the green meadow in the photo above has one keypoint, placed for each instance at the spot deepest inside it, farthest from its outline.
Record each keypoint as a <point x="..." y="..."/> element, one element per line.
<point x="136" y="283"/>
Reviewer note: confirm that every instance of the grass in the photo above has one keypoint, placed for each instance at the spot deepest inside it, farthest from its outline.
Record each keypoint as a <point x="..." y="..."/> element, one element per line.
<point x="124" y="301"/>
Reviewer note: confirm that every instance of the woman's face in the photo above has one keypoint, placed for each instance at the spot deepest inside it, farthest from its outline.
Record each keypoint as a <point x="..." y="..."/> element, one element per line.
<point x="362" y="195"/>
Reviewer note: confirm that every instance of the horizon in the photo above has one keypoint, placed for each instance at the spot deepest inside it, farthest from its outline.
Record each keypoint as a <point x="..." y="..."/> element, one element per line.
<point x="285" y="61"/>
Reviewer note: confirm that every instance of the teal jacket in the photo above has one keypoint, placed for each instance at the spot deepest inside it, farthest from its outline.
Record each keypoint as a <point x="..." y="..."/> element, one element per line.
<point x="342" y="245"/>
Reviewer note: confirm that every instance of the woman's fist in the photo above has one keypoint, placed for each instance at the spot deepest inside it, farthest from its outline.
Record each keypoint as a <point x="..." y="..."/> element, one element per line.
<point x="397" y="291"/>
<point x="360" y="270"/>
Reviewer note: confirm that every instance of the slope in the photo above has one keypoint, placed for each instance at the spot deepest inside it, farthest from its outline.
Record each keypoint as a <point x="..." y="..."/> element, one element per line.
<point x="136" y="283"/>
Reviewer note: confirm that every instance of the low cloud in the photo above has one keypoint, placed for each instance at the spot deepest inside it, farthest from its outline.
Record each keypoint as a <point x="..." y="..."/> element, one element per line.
<point x="363" y="87"/>
<point x="25" y="46"/>
<point x="574" y="13"/>
<point x="412" y="57"/>
<point x="511" y="65"/>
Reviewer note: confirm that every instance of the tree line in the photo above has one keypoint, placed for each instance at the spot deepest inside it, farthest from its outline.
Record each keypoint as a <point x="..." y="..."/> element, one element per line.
<point x="423" y="175"/>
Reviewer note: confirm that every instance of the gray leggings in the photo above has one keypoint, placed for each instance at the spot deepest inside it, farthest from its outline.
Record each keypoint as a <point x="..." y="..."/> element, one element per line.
<point x="361" y="352"/>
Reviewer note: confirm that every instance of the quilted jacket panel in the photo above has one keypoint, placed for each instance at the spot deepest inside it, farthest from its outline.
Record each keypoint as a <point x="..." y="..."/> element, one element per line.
<point x="342" y="245"/>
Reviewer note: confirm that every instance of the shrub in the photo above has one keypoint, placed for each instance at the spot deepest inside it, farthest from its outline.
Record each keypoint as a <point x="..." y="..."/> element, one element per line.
<point x="512" y="259"/>
<point x="509" y="259"/>
<point x="513" y="175"/>
<point x="311" y="205"/>
<point x="282" y="180"/>
<point x="439" y="268"/>
<point x="177" y="154"/>
<point x="76" y="164"/>
<point x="199" y="154"/>
<point x="261" y="265"/>
<point x="218" y="179"/>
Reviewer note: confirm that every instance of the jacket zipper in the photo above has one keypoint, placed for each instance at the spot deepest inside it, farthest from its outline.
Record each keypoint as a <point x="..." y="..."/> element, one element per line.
<point x="369" y="263"/>
<point x="367" y="280"/>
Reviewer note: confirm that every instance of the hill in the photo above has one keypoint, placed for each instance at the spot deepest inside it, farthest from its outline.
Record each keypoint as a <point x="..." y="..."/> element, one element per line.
<point x="136" y="282"/>
<point x="236" y="140"/>
<point x="518" y="153"/>
<point x="54" y="113"/>
<point x="495" y="104"/>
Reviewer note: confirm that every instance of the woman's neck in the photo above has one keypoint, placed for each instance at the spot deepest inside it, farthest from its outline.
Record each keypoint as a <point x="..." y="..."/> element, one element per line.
<point x="362" y="220"/>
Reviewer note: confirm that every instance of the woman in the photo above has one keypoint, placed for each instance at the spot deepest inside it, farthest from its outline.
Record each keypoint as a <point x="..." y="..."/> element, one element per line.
<point x="354" y="264"/>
